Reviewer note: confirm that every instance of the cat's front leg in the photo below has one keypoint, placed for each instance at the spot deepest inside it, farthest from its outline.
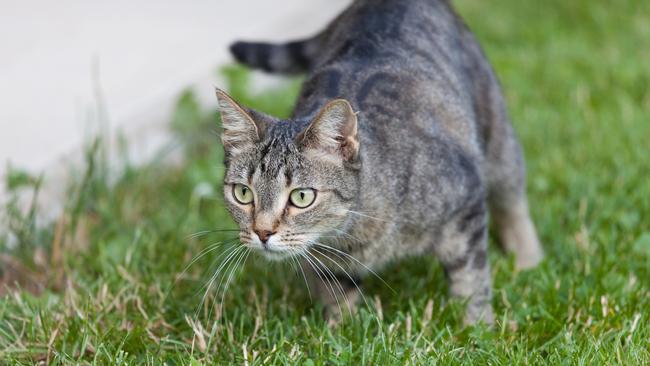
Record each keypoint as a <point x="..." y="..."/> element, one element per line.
<point x="471" y="281"/>
<point x="463" y="253"/>
<point x="338" y="293"/>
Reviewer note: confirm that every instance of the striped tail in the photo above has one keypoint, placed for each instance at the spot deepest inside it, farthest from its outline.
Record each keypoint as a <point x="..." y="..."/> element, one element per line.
<point x="288" y="58"/>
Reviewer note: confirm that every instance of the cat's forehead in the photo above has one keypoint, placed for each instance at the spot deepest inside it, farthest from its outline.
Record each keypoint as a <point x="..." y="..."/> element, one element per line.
<point x="275" y="154"/>
<point x="272" y="157"/>
<point x="286" y="129"/>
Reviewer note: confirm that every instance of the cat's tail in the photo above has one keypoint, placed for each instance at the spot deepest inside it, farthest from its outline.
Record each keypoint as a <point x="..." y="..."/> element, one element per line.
<point x="287" y="58"/>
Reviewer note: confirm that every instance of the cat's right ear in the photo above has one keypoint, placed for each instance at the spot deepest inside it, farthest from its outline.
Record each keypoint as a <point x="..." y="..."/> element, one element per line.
<point x="240" y="131"/>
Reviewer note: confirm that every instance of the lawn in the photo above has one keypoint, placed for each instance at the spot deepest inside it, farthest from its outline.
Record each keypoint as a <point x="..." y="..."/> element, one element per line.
<point x="113" y="281"/>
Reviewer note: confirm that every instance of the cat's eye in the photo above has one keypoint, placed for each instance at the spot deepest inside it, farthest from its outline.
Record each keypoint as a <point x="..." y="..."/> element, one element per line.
<point x="302" y="197"/>
<point x="242" y="194"/>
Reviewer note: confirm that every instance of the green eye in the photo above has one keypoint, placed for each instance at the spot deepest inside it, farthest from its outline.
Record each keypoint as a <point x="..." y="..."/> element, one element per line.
<point x="302" y="197"/>
<point x="242" y="194"/>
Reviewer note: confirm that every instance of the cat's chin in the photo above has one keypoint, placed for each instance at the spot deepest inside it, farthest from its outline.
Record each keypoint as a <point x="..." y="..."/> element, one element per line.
<point x="276" y="255"/>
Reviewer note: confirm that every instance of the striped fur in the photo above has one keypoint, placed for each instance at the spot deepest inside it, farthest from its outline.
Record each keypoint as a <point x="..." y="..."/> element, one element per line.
<point x="288" y="58"/>
<point x="433" y="150"/>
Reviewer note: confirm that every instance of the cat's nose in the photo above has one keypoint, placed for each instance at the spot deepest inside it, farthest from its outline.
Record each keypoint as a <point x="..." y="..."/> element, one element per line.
<point x="264" y="235"/>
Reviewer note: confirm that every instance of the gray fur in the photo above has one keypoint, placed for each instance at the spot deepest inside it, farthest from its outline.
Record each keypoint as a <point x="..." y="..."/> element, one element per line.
<point x="431" y="146"/>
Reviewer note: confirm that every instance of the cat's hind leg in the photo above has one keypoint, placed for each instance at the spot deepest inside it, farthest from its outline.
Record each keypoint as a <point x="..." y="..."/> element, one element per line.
<point x="517" y="233"/>
<point x="506" y="180"/>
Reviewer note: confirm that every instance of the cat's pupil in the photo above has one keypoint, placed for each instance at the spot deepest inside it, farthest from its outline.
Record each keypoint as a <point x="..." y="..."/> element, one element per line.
<point x="302" y="195"/>
<point x="243" y="191"/>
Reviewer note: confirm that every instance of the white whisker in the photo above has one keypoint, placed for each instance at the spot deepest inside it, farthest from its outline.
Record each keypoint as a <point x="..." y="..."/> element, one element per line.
<point x="326" y="282"/>
<point x="233" y="252"/>
<point x="361" y="214"/>
<point x="356" y="260"/>
<point x="240" y="261"/>
<point x="203" y="253"/>
<point x="335" y="280"/>
<point x="205" y="232"/>
<point x="347" y="274"/>
<point x="304" y="276"/>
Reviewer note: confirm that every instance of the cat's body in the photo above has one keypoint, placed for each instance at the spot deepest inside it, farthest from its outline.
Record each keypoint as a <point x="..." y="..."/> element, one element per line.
<point x="431" y="147"/>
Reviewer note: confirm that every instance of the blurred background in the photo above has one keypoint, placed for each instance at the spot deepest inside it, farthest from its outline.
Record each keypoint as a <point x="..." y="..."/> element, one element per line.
<point x="72" y="69"/>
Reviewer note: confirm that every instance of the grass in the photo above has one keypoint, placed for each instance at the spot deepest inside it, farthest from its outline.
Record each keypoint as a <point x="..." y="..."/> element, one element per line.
<point x="103" y="284"/>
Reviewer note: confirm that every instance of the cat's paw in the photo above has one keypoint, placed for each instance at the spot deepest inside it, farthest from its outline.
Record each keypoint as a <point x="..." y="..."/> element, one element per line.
<point x="529" y="259"/>
<point x="474" y="316"/>
<point x="335" y="314"/>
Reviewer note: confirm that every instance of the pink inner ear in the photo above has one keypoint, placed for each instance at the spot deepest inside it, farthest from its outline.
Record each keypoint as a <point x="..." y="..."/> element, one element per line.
<point x="350" y="147"/>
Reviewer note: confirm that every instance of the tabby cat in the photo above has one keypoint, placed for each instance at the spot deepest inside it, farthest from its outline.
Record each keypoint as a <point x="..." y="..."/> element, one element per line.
<point x="398" y="143"/>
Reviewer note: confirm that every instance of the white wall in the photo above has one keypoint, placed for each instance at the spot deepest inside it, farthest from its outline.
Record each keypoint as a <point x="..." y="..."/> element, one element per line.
<point x="56" y="57"/>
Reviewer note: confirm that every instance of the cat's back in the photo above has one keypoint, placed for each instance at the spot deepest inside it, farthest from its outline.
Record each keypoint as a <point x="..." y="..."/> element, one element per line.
<point x="402" y="65"/>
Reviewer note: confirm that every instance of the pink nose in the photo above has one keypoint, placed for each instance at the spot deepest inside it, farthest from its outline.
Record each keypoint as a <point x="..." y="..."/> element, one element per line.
<point x="264" y="235"/>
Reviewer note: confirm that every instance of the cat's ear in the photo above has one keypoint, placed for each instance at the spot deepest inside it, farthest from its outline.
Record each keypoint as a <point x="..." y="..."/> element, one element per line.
<point x="334" y="130"/>
<point x="240" y="131"/>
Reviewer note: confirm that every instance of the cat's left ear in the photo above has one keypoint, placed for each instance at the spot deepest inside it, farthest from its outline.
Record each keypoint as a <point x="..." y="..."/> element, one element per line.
<point x="240" y="130"/>
<point x="334" y="130"/>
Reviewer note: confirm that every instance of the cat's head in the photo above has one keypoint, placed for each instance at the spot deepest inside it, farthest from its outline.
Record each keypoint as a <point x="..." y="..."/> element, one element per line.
<point x="289" y="183"/>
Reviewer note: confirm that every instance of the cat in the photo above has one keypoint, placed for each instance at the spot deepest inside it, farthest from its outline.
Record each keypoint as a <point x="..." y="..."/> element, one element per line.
<point x="398" y="143"/>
